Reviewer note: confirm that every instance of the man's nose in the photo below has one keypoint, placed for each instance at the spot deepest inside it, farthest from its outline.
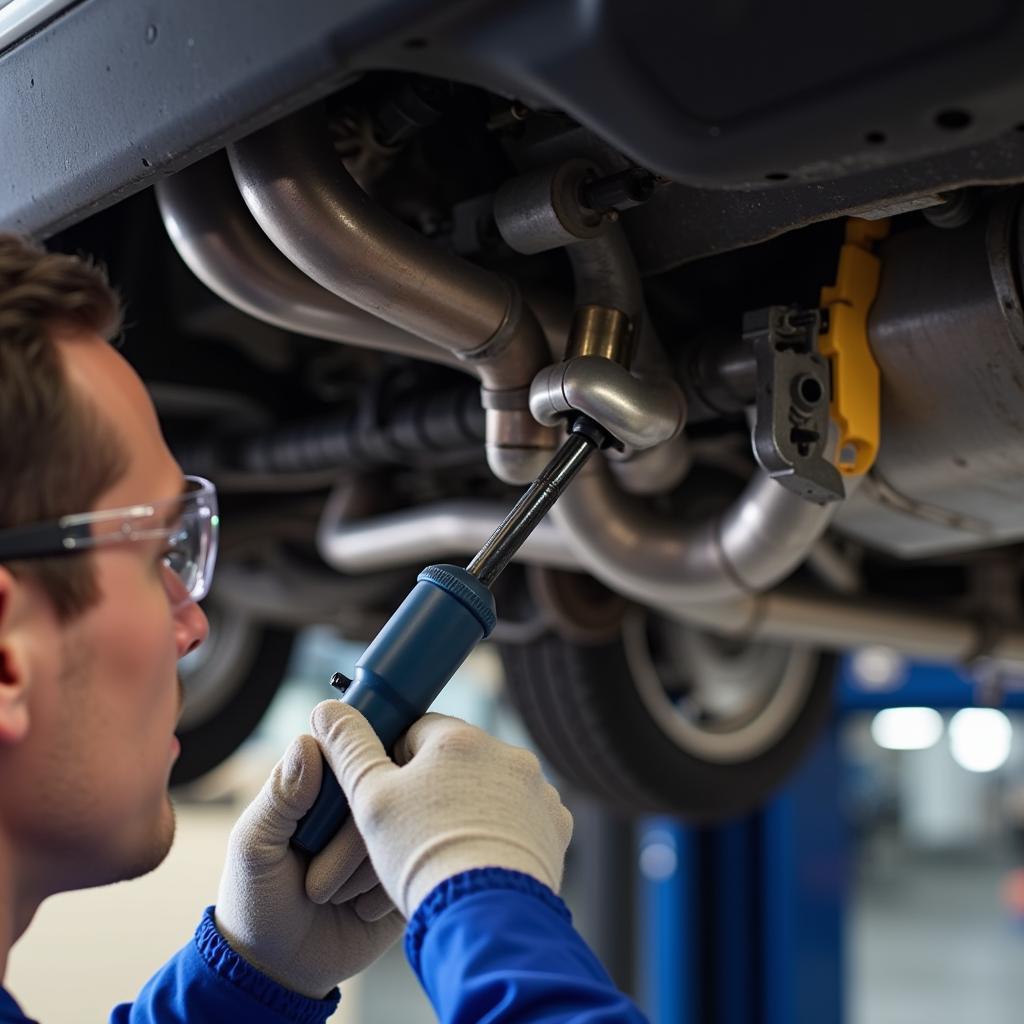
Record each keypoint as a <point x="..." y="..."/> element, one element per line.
<point x="191" y="627"/>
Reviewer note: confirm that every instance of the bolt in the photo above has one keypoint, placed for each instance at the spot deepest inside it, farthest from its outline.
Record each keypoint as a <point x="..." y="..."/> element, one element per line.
<point x="509" y="117"/>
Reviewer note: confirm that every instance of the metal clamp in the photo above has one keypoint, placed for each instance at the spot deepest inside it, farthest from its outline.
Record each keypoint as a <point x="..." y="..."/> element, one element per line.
<point x="792" y="402"/>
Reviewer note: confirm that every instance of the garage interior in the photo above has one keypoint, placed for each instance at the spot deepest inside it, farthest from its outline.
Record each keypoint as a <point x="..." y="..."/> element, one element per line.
<point x="383" y="264"/>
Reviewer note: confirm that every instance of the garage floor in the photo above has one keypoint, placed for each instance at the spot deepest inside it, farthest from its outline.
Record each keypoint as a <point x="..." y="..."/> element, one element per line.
<point x="932" y="944"/>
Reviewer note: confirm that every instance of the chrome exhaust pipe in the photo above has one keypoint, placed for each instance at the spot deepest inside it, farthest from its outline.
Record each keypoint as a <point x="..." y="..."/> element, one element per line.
<point x="814" y="618"/>
<point x="224" y="247"/>
<point x="418" y="536"/>
<point x="648" y="557"/>
<point x="312" y="210"/>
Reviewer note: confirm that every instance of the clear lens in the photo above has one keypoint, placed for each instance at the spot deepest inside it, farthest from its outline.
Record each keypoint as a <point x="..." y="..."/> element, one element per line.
<point x="186" y="526"/>
<point x="182" y="558"/>
<point x="193" y="543"/>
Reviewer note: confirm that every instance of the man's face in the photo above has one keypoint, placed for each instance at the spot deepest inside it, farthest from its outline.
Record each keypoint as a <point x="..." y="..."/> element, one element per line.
<point x="92" y="768"/>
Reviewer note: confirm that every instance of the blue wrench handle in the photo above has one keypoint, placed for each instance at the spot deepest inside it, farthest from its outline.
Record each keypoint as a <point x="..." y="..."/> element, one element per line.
<point x="403" y="670"/>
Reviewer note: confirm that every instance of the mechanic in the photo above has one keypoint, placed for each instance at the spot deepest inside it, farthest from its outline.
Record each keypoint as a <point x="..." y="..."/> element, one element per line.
<point x="459" y="836"/>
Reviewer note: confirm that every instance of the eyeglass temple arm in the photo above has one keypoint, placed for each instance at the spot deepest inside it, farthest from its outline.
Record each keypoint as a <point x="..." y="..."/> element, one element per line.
<point x="42" y="540"/>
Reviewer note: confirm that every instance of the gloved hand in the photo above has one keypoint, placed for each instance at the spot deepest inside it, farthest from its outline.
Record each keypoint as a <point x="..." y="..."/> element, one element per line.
<point x="308" y="928"/>
<point x="457" y="799"/>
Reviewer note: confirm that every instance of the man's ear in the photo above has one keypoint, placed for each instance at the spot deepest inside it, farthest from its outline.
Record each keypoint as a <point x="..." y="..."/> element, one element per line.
<point x="15" y="679"/>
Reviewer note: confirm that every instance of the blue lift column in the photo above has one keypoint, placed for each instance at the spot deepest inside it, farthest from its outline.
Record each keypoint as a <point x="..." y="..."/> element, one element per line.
<point x="667" y="977"/>
<point x="743" y="922"/>
<point x="805" y="881"/>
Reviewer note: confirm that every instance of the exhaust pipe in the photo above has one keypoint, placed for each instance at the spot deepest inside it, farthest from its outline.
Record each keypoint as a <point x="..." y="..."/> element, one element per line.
<point x="813" y="617"/>
<point x="224" y="247"/>
<point x="312" y="210"/>
<point x="623" y="542"/>
<point x="648" y="556"/>
<point x="838" y="623"/>
<point x="652" y="559"/>
<point x="417" y="536"/>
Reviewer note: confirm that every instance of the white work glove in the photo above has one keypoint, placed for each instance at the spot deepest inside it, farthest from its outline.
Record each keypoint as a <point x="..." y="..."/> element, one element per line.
<point x="458" y="799"/>
<point x="307" y="926"/>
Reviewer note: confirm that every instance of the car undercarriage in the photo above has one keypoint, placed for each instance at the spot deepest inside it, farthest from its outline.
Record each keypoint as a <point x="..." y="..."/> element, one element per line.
<point x="375" y="261"/>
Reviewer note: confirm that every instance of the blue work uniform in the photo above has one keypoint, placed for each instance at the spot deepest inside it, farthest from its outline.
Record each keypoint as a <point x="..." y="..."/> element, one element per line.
<point x="488" y="946"/>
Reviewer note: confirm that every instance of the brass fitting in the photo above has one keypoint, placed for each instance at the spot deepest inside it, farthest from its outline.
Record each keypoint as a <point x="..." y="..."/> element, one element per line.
<point x="601" y="331"/>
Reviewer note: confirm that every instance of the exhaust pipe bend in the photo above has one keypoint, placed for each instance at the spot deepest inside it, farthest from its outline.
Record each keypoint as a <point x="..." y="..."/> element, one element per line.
<point x="605" y="274"/>
<point x="639" y="405"/>
<point x="224" y="247"/>
<point x="816" y="618"/>
<point x="756" y="543"/>
<point x="312" y="210"/>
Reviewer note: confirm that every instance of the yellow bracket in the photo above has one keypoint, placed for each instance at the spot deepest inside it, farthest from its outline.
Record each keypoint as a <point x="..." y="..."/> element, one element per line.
<point x="855" y="379"/>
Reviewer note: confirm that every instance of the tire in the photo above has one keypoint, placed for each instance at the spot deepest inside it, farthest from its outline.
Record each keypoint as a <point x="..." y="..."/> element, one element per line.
<point x="229" y="683"/>
<point x="637" y="723"/>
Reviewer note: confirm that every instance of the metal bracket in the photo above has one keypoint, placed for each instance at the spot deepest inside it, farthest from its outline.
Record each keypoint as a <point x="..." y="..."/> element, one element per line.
<point x="794" y="388"/>
<point x="844" y="340"/>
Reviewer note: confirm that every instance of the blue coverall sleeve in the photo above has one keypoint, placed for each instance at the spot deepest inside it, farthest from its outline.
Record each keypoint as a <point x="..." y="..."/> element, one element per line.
<point x="208" y="981"/>
<point x="492" y="946"/>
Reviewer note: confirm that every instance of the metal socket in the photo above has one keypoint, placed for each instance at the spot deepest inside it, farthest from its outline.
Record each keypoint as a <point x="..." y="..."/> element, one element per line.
<point x="639" y="413"/>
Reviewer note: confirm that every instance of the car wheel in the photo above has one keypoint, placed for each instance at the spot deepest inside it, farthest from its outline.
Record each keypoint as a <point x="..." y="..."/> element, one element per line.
<point x="664" y="718"/>
<point x="229" y="683"/>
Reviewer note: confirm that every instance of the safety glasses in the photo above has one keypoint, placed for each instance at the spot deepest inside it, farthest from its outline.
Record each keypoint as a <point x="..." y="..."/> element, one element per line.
<point x="186" y="526"/>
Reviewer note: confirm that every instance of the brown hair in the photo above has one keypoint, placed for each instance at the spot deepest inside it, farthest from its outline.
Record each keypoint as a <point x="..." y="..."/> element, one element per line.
<point x="57" y="454"/>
